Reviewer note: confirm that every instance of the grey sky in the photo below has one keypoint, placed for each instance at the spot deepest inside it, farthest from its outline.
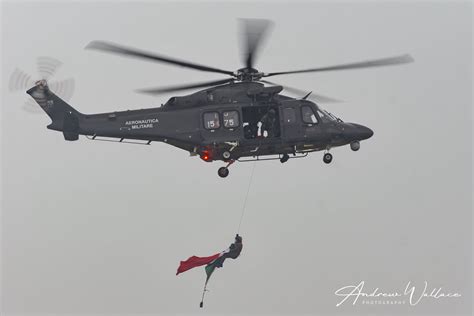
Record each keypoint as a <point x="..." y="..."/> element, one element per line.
<point x="96" y="228"/>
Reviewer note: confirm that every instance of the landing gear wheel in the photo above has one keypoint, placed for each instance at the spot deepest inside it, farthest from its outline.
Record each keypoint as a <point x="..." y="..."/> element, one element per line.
<point x="327" y="158"/>
<point x="226" y="155"/>
<point x="284" y="158"/>
<point x="223" y="172"/>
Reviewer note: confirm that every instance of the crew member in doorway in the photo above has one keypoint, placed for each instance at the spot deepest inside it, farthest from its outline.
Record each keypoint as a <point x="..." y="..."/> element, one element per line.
<point x="269" y="124"/>
<point x="251" y="130"/>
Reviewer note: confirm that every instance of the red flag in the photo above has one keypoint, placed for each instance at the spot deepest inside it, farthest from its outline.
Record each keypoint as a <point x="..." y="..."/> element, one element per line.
<point x="194" y="261"/>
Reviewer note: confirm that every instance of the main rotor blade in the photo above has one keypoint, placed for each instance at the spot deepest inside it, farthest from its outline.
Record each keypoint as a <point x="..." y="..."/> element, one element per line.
<point x="122" y="50"/>
<point x="253" y="33"/>
<point x="184" y="87"/>
<point x="313" y="96"/>
<point x="403" y="59"/>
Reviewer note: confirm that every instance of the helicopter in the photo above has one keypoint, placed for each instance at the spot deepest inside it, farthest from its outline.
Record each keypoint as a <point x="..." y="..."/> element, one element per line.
<point x="238" y="118"/>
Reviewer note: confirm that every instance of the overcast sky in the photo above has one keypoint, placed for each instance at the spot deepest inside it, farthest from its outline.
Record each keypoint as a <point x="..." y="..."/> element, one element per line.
<point x="100" y="228"/>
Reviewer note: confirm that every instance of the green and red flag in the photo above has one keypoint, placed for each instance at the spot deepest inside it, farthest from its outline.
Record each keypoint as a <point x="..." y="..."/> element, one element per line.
<point x="193" y="262"/>
<point x="211" y="262"/>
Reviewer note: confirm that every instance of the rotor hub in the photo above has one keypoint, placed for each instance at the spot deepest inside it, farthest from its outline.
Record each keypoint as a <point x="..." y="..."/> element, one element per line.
<point x="42" y="84"/>
<point x="248" y="74"/>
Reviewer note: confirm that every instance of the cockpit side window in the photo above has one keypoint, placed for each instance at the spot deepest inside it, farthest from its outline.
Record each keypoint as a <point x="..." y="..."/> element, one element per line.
<point x="308" y="115"/>
<point x="289" y="116"/>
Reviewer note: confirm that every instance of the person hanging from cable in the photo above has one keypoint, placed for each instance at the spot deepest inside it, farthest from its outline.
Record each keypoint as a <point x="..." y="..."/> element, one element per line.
<point x="217" y="260"/>
<point x="212" y="262"/>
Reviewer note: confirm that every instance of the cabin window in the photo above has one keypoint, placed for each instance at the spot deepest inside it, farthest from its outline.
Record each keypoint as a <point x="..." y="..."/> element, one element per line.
<point x="231" y="119"/>
<point x="308" y="115"/>
<point x="211" y="120"/>
<point x="289" y="115"/>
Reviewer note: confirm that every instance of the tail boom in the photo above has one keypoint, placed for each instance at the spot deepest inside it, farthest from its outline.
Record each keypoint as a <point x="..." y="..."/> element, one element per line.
<point x="64" y="117"/>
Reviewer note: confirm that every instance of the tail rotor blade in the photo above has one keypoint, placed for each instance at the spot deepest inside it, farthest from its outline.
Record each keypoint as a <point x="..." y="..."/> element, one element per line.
<point x="32" y="107"/>
<point x="19" y="80"/>
<point x="63" y="88"/>
<point x="47" y="67"/>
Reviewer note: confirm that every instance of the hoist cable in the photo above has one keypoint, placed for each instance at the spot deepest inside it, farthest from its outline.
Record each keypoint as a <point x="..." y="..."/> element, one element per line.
<point x="246" y="198"/>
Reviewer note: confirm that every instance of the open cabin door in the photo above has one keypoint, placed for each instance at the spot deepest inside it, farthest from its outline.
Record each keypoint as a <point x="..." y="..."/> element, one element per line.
<point x="261" y="123"/>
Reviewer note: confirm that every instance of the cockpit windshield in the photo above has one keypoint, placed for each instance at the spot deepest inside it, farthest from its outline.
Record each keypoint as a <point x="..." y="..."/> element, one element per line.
<point x="327" y="116"/>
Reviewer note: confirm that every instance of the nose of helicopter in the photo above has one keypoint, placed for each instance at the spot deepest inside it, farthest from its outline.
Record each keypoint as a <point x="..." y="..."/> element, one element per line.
<point x="361" y="132"/>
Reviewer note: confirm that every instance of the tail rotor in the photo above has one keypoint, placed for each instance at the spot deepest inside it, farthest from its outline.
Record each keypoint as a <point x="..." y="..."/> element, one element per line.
<point x="47" y="67"/>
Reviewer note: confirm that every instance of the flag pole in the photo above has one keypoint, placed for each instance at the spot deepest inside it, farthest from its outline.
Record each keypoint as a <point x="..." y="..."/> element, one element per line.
<point x="201" y="305"/>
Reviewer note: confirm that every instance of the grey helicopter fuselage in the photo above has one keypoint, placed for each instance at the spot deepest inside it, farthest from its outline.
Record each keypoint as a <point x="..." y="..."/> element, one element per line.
<point x="236" y="118"/>
<point x="213" y="123"/>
